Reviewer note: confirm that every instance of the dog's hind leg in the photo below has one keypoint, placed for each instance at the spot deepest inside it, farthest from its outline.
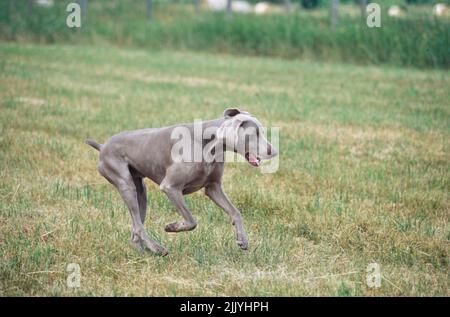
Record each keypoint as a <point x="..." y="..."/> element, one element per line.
<point x="118" y="173"/>
<point x="141" y="190"/>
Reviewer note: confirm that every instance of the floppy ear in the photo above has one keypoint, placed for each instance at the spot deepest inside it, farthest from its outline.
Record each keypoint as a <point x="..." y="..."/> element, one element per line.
<point x="231" y="112"/>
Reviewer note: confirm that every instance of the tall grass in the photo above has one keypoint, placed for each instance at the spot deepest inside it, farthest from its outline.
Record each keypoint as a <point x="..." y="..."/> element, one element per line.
<point x="419" y="41"/>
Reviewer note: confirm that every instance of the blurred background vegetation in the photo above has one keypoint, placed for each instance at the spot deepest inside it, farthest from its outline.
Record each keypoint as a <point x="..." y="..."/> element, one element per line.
<point x="416" y="37"/>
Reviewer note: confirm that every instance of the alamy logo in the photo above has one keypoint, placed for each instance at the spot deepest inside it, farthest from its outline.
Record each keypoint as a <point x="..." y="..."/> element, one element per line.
<point x="249" y="144"/>
<point x="74" y="17"/>
<point x="373" y="277"/>
<point x="373" y="15"/>
<point x="74" y="278"/>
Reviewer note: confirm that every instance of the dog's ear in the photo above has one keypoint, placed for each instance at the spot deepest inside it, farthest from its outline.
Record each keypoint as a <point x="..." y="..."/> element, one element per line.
<point x="231" y="112"/>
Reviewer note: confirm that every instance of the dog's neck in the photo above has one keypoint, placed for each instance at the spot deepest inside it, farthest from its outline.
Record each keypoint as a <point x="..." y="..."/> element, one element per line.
<point x="210" y="145"/>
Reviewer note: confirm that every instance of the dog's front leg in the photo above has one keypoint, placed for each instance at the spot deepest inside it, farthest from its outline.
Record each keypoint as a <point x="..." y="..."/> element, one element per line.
<point x="216" y="193"/>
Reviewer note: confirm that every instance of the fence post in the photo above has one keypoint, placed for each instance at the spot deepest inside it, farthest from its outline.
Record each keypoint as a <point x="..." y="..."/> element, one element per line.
<point x="288" y="5"/>
<point x="84" y="7"/>
<point x="363" y="4"/>
<point x="149" y="9"/>
<point x="229" y="9"/>
<point x="334" y="13"/>
<point x="197" y="6"/>
<point x="29" y="6"/>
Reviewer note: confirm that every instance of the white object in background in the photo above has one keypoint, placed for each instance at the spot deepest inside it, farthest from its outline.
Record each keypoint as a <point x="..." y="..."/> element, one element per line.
<point x="217" y="5"/>
<point x="241" y="6"/>
<point x="262" y="7"/>
<point x="44" y="3"/>
<point x="441" y="9"/>
<point x="395" y="11"/>
<point x="268" y="8"/>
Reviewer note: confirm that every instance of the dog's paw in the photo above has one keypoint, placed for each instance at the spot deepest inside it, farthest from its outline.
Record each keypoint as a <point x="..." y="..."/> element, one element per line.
<point x="172" y="227"/>
<point x="242" y="242"/>
<point x="158" y="250"/>
<point x="155" y="248"/>
<point x="179" y="226"/>
<point x="162" y="251"/>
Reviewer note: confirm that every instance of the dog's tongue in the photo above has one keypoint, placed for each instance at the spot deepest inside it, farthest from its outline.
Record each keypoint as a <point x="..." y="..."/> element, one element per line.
<point x="253" y="159"/>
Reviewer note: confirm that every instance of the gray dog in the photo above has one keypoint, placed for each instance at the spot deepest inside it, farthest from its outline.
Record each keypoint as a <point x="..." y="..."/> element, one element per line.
<point x="128" y="157"/>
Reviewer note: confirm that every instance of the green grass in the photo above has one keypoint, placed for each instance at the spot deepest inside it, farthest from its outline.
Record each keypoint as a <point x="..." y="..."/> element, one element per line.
<point x="364" y="175"/>
<point x="418" y="40"/>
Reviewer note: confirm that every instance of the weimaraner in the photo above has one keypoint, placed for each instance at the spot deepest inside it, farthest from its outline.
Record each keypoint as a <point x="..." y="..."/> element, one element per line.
<point x="128" y="157"/>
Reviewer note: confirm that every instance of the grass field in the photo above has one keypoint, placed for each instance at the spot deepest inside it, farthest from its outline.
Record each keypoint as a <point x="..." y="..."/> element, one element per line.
<point x="364" y="175"/>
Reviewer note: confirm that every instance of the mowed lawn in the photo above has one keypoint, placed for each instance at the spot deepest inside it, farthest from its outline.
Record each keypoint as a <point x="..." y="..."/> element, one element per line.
<point x="363" y="178"/>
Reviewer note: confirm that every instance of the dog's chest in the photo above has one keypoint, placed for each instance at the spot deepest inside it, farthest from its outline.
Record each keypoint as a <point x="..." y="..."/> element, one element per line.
<point x="199" y="178"/>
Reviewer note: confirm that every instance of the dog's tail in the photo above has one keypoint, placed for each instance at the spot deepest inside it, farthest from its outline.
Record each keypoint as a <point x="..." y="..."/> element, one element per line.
<point x="94" y="144"/>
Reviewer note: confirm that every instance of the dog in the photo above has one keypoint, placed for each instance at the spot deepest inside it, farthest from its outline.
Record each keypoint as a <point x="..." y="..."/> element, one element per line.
<point x="128" y="157"/>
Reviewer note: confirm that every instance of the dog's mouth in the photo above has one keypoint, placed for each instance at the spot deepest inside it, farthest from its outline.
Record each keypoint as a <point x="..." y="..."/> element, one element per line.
<point x="252" y="159"/>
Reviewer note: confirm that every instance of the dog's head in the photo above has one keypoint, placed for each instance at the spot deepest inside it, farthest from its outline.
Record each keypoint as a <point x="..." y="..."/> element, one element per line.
<point x="244" y="134"/>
